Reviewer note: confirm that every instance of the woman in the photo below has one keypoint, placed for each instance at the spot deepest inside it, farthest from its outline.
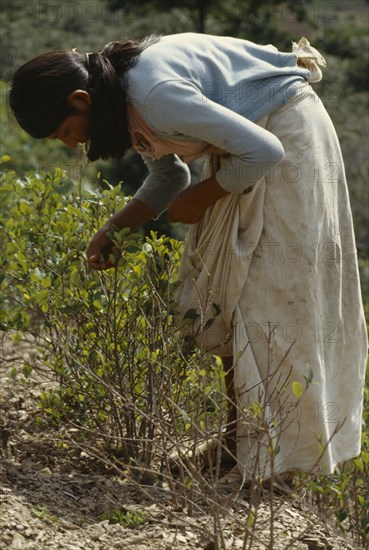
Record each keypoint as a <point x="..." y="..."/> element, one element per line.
<point x="271" y="247"/>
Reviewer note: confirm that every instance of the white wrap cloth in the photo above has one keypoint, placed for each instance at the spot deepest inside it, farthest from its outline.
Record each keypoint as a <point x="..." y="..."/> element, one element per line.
<point x="280" y="263"/>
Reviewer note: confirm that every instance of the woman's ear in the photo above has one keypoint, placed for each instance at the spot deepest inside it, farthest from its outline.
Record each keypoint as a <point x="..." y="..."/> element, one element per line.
<point x="80" y="100"/>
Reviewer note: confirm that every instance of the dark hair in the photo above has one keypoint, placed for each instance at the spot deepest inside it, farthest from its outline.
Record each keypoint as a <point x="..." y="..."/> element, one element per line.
<point x="40" y="89"/>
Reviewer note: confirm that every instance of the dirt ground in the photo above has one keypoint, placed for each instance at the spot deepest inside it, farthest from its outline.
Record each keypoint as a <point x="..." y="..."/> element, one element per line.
<point x="54" y="496"/>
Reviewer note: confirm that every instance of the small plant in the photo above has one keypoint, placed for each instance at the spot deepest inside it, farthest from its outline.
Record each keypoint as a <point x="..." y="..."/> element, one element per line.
<point x="345" y="495"/>
<point x="43" y="513"/>
<point x="127" y="518"/>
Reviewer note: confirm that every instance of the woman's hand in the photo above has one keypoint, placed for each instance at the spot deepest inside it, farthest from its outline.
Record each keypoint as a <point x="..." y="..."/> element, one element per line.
<point x="100" y="249"/>
<point x="134" y="214"/>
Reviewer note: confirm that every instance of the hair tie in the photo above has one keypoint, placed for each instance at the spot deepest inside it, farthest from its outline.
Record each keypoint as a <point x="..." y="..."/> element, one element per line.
<point x="87" y="58"/>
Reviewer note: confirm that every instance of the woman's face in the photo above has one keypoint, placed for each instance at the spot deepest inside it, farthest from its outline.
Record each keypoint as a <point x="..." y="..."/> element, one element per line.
<point x="73" y="130"/>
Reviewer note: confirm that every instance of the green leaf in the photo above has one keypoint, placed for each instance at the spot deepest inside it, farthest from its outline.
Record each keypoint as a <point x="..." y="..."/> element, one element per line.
<point x="27" y="370"/>
<point x="24" y="208"/>
<point x="209" y="323"/>
<point x="137" y="270"/>
<point x="341" y="515"/>
<point x="75" y="278"/>
<point x="41" y="299"/>
<point x="191" y="314"/>
<point x="310" y="374"/>
<point x="256" y="409"/>
<point x="250" y="520"/>
<point x="297" y="389"/>
<point x="22" y="261"/>
<point x="13" y="373"/>
<point x="215" y="308"/>
<point x="274" y="448"/>
<point x="118" y="235"/>
<point x="46" y="282"/>
<point x="361" y="500"/>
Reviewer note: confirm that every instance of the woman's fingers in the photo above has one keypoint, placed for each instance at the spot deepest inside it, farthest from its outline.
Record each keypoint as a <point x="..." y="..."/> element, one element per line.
<point x="100" y="266"/>
<point x="100" y="253"/>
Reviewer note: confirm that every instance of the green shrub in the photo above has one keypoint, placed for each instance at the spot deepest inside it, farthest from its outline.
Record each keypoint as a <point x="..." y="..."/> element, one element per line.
<point x="124" y="373"/>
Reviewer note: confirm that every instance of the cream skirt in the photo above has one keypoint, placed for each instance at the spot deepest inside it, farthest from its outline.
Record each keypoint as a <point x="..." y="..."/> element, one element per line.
<point x="271" y="278"/>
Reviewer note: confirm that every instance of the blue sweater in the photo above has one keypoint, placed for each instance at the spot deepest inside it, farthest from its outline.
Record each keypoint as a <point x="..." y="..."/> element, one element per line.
<point x="213" y="89"/>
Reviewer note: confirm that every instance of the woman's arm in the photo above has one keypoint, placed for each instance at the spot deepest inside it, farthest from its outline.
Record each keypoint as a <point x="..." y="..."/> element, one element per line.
<point x="167" y="177"/>
<point x="190" y="205"/>
<point x="179" y="108"/>
<point x="134" y="214"/>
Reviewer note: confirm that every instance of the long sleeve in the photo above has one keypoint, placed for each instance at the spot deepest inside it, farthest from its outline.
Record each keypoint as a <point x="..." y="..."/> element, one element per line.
<point x="179" y="109"/>
<point x="167" y="177"/>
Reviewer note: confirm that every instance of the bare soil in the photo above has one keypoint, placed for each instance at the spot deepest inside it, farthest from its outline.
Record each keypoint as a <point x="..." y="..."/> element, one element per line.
<point x="55" y="496"/>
